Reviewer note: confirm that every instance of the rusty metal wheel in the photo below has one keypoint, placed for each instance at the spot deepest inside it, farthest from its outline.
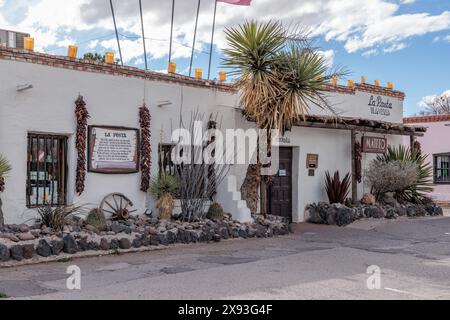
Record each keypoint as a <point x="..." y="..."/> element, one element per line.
<point x="118" y="205"/>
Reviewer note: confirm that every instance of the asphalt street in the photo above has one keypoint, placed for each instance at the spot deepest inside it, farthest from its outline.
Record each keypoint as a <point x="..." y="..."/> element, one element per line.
<point x="315" y="262"/>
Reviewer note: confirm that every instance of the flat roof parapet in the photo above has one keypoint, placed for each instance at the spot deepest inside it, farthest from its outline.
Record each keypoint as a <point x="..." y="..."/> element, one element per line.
<point x="428" y="118"/>
<point x="105" y="68"/>
<point x="127" y="71"/>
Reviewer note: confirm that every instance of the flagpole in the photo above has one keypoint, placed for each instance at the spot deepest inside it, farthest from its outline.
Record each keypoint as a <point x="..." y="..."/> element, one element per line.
<point x="212" y="39"/>
<point x="171" y="31"/>
<point x="143" y="35"/>
<point x="195" y="36"/>
<point x="117" y="33"/>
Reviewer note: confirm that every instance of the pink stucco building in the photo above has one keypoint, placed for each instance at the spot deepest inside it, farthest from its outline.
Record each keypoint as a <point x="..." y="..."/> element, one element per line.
<point x="436" y="143"/>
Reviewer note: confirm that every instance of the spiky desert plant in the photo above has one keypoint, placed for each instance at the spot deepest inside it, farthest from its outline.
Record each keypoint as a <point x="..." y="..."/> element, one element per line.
<point x="165" y="188"/>
<point x="58" y="217"/>
<point x="417" y="192"/>
<point x="278" y="74"/>
<point x="165" y="183"/>
<point x="336" y="189"/>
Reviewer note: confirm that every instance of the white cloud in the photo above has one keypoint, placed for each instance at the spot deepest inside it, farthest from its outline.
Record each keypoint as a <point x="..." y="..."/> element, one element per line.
<point x="328" y="56"/>
<point x="428" y="100"/>
<point x="369" y="26"/>
<point x="407" y="1"/>
<point x="395" y="47"/>
<point x="395" y="29"/>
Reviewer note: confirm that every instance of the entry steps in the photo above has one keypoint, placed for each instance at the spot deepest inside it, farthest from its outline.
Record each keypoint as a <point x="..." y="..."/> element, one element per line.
<point x="231" y="200"/>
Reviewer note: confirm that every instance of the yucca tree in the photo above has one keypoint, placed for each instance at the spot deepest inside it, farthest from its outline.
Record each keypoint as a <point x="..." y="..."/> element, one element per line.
<point x="5" y="168"/>
<point x="416" y="193"/>
<point x="279" y="76"/>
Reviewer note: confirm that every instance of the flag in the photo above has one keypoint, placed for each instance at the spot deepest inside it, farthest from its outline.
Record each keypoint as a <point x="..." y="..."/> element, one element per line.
<point x="237" y="2"/>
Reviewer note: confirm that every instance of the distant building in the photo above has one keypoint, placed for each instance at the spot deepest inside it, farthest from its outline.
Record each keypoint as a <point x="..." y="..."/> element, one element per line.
<point x="12" y="39"/>
<point x="436" y="144"/>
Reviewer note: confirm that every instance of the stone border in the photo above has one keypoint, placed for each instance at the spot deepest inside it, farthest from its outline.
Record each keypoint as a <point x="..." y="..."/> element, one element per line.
<point x="140" y="234"/>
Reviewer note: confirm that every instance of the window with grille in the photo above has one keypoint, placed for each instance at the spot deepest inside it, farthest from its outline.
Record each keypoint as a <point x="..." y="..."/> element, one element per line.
<point x="442" y="168"/>
<point x="46" y="170"/>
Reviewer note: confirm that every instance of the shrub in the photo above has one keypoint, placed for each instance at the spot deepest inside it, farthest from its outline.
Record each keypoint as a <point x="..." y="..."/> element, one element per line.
<point x="165" y="184"/>
<point x="57" y="217"/>
<point x="394" y="176"/>
<point x="416" y="192"/>
<point x="215" y="212"/>
<point x="97" y="219"/>
<point x="336" y="189"/>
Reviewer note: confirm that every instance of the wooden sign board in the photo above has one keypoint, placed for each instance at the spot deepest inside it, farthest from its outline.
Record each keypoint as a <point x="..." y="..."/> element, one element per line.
<point x="312" y="161"/>
<point x="113" y="149"/>
<point x="374" y="144"/>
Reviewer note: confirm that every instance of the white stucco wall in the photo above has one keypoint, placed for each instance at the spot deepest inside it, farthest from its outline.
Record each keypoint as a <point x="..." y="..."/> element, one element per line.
<point x="114" y="101"/>
<point x="111" y="100"/>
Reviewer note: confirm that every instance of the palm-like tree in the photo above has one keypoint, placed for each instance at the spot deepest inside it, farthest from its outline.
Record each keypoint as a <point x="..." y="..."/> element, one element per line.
<point x="279" y="76"/>
<point x="5" y="168"/>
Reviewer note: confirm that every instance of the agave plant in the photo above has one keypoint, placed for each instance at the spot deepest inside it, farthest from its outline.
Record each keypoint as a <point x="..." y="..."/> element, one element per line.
<point x="417" y="192"/>
<point x="336" y="189"/>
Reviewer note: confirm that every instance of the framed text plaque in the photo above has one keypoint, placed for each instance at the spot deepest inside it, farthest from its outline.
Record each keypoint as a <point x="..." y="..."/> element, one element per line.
<point x="113" y="149"/>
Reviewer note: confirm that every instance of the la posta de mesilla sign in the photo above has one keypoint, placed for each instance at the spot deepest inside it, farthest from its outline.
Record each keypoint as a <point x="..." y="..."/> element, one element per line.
<point x="374" y="144"/>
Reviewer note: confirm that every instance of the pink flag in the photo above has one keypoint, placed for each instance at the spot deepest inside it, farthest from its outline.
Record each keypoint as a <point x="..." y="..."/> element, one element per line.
<point x="237" y="2"/>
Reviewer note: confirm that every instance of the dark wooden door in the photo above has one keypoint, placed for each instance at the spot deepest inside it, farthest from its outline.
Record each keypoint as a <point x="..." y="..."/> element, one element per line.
<point x="280" y="192"/>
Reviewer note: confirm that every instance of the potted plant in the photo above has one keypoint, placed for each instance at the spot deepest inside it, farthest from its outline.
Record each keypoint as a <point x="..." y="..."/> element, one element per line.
<point x="165" y="188"/>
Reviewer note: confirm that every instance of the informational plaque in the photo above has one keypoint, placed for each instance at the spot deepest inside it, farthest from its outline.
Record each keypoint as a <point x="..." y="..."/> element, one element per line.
<point x="374" y="144"/>
<point x="113" y="149"/>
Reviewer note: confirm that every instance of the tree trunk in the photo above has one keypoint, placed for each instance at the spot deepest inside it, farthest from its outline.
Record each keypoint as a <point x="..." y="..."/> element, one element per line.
<point x="250" y="187"/>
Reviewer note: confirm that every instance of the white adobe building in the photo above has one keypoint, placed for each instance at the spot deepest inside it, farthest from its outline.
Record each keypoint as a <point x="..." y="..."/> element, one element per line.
<point x="37" y="95"/>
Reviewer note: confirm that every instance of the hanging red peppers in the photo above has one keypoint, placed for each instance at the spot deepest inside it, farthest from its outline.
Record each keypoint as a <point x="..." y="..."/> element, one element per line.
<point x="82" y="115"/>
<point x="146" y="149"/>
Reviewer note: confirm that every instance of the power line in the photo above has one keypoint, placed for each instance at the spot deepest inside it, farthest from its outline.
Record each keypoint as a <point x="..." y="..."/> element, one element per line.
<point x="117" y="33"/>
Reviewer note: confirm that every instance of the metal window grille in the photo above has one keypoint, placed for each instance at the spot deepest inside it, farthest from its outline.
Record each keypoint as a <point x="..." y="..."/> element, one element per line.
<point x="442" y="168"/>
<point x="46" y="170"/>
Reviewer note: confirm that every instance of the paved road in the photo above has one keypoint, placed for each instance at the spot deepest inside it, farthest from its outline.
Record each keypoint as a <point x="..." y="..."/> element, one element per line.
<point x="317" y="262"/>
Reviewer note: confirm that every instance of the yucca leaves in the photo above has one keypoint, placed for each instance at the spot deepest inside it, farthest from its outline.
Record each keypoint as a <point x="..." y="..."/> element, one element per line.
<point x="5" y="166"/>
<point x="417" y="193"/>
<point x="279" y="75"/>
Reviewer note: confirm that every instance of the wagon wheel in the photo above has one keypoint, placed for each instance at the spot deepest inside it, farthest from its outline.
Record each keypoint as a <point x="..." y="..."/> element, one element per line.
<point x="118" y="205"/>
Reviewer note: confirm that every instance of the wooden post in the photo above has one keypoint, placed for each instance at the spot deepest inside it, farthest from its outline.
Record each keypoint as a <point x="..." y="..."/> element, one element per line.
<point x="411" y="142"/>
<point x="354" y="182"/>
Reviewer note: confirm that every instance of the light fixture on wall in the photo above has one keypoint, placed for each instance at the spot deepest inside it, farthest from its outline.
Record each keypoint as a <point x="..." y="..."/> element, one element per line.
<point x="23" y="87"/>
<point x="164" y="103"/>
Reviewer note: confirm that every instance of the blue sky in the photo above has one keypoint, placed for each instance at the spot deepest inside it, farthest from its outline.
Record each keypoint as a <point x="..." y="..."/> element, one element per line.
<point x="403" y="41"/>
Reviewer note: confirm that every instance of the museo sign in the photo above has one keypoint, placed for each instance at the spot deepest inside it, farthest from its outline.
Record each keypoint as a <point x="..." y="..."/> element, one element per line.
<point x="113" y="149"/>
<point x="374" y="144"/>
